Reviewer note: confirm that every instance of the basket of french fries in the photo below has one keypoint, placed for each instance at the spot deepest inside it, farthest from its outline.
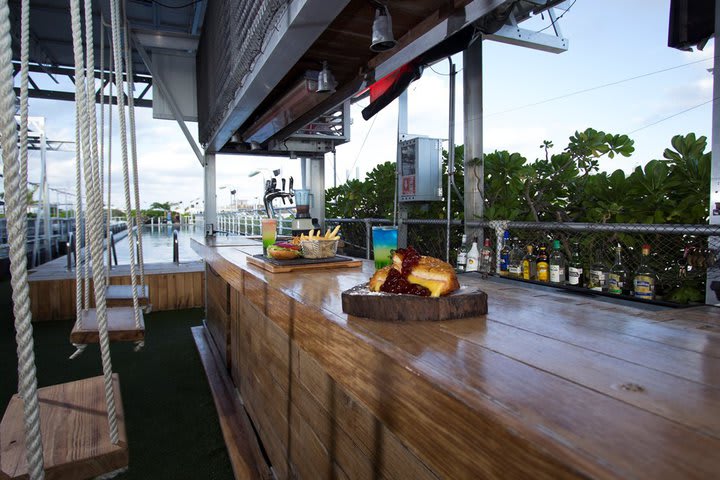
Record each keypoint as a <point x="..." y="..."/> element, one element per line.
<point x="317" y="245"/>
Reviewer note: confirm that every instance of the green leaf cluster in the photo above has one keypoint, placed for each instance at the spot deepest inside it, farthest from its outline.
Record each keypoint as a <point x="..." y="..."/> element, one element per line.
<point x="568" y="187"/>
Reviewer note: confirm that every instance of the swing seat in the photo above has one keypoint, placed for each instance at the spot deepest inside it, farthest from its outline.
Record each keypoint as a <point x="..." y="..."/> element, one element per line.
<point x="75" y="432"/>
<point x="121" y="295"/>
<point x="121" y="326"/>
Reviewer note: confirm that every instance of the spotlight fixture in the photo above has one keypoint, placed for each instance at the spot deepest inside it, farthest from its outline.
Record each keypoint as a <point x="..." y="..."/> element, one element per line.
<point x="255" y="145"/>
<point x="382" y="35"/>
<point x="326" y="81"/>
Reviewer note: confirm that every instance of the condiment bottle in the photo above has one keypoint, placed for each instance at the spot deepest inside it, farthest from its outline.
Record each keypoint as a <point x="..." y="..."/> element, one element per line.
<point x="473" y="257"/>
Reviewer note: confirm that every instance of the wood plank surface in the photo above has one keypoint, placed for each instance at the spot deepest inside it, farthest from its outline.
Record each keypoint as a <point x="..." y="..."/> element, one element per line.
<point x="169" y="289"/>
<point x="75" y="436"/>
<point x="121" y="326"/>
<point x="546" y="385"/>
<point x="243" y="450"/>
<point x="122" y="295"/>
<point x="272" y="268"/>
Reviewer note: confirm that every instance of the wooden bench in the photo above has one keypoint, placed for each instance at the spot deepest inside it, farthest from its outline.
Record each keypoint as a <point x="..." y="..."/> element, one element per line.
<point x="243" y="448"/>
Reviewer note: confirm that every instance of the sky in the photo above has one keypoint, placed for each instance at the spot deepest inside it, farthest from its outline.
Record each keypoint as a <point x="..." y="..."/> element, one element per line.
<point x="529" y="96"/>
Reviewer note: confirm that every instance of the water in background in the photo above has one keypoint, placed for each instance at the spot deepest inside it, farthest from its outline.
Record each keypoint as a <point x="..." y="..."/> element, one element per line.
<point x="157" y="244"/>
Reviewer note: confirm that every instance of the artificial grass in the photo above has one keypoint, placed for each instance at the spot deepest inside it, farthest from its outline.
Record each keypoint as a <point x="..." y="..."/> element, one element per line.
<point x="172" y="425"/>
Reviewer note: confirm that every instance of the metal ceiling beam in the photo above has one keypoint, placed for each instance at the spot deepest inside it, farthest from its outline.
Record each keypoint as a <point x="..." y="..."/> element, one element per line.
<point x="70" y="72"/>
<point x="198" y="17"/>
<point x="303" y="22"/>
<point x="70" y="97"/>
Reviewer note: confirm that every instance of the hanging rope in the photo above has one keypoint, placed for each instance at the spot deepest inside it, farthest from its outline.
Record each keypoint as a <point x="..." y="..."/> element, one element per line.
<point x="111" y="61"/>
<point x="79" y="227"/>
<point x="17" y="232"/>
<point x="117" y="55"/>
<point x="133" y="149"/>
<point x="94" y="209"/>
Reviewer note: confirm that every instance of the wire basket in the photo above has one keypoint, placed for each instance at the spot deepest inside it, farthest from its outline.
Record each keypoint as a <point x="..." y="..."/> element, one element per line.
<point x="319" y="248"/>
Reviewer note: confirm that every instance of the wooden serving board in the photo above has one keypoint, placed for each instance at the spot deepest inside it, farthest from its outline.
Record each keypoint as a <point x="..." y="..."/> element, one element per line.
<point x="468" y="301"/>
<point x="284" y="266"/>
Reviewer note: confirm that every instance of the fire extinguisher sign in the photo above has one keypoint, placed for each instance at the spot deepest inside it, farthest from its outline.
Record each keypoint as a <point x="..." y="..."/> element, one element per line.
<point x="408" y="185"/>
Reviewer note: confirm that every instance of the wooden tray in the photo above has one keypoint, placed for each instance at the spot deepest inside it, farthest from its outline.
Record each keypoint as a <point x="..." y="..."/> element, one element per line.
<point x="468" y="301"/>
<point x="284" y="266"/>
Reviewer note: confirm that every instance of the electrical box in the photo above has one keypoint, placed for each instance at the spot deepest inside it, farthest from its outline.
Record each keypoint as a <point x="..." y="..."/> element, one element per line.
<point x="420" y="174"/>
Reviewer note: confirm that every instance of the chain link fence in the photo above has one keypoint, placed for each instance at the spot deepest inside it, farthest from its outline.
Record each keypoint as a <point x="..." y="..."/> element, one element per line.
<point x="680" y="255"/>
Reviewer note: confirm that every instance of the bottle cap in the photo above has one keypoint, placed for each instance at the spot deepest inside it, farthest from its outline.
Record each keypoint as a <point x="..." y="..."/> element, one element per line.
<point x="646" y="249"/>
<point x="487" y="242"/>
<point x="556" y="244"/>
<point x="506" y="235"/>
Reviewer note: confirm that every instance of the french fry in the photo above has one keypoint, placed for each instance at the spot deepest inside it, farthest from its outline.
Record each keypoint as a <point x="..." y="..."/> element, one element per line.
<point x="327" y="233"/>
<point x="335" y="231"/>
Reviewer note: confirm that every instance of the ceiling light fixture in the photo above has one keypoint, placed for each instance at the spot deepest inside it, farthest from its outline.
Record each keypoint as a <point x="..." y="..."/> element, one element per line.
<point x="382" y="34"/>
<point x="326" y="81"/>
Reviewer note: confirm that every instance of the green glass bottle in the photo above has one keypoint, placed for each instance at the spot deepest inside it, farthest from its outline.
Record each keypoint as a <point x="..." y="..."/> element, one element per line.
<point x="557" y="264"/>
<point x="618" y="283"/>
<point x="575" y="268"/>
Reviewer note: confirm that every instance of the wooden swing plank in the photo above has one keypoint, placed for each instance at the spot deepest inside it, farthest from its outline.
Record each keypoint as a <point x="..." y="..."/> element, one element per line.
<point x="75" y="432"/>
<point x="121" y="295"/>
<point x="121" y="326"/>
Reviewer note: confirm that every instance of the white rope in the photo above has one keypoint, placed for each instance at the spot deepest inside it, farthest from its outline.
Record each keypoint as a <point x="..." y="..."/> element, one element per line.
<point x="24" y="75"/>
<point x="17" y="231"/>
<point x="95" y="211"/>
<point x="117" y="53"/>
<point x="102" y="117"/>
<point x="111" y="61"/>
<point x="133" y="149"/>
<point x="79" y="278"/>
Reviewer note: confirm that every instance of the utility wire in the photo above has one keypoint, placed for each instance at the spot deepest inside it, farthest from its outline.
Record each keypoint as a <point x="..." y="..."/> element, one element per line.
<point x="671" y="116"/>
<point x="597" y="87"/>
<point x="443" y="74"/>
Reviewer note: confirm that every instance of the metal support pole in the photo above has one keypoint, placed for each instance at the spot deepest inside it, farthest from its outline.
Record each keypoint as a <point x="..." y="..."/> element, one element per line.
<point x="210" y="195"/>
<point x="712" y="275"/>
<point x="368" y="238"/>
<point x="451" y="152"/>
<point x="399" y="211"/>
<point x="46" y="193"/>
<point x="473" y="123"/>
<point x="313" y="179"/>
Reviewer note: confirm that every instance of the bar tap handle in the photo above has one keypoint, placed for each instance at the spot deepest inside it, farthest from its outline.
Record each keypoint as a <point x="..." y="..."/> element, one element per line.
<point x="267" y="186"/>
<point x="283" y="191"/>
<point x="291" y="191"/>
<point x="283" y="184"/>
<point x="273" y="185"/>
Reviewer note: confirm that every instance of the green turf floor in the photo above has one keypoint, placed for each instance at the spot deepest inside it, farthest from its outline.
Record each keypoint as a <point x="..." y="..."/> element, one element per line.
<point x="172" y="425"/>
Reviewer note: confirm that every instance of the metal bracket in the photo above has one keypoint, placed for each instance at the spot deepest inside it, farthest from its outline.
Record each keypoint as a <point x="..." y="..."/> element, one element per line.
<point x="159" y="81"/>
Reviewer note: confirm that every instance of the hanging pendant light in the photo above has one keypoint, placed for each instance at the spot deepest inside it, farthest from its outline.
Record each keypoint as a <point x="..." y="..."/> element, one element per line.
<point x="326" y="81"/>
<point x="382" y="35"/>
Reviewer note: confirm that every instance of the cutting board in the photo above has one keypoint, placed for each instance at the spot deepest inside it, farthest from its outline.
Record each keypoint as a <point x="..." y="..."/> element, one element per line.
<point x="468" y="301"/>
<point x="284" y="266"/>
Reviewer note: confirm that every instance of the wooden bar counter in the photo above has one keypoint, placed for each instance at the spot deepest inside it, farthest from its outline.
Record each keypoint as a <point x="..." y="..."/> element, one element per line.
<point x="546" y="385"/>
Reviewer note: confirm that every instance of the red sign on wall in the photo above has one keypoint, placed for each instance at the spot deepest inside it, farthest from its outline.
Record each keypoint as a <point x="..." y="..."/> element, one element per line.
<point x="408" y="185"/>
